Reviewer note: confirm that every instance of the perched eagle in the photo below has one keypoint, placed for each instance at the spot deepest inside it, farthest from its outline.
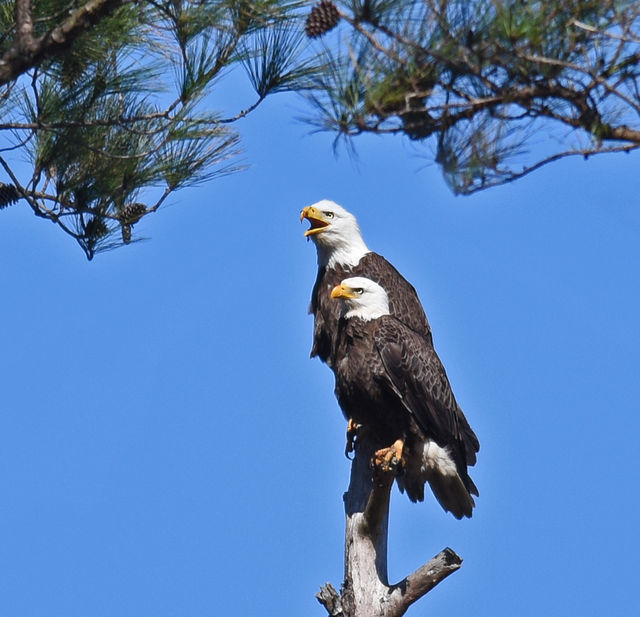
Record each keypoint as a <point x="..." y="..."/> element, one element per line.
<point x="342" y="253"/>
<point x="390" y="380"/>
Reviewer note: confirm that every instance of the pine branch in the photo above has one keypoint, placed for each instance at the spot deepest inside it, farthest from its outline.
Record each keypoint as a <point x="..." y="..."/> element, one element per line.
<point x="26" y="52"/>
<point x="112" y="113"/>
<point x="476" y="86"/>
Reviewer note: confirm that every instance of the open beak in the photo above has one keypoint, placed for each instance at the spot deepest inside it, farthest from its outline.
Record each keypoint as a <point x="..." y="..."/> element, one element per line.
<point x="316" y="218"/>
<point x="342" y="291"/>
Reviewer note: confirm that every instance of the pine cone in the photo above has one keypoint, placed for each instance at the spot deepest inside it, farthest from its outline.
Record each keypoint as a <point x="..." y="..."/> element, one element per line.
<point x="126" y="233"/>
<point x="323" y="17"/>
<point x="8" y="195"/>
<point x="132" y="213"/>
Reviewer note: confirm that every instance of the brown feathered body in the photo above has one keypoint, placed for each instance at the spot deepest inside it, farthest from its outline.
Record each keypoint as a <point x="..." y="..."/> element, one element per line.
<point x="388" y="376"/>
<point x="404" y="303"/>
<point x="390" y="379"/>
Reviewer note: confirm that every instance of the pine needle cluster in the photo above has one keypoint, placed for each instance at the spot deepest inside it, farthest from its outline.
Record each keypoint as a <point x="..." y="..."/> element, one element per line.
<point x="112" y="111"/>
<point x="477" y="83"/>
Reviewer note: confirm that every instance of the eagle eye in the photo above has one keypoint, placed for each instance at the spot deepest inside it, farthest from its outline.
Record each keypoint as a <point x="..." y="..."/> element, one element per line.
<point x="358" y="290"/>
<point x="329" y="215"/>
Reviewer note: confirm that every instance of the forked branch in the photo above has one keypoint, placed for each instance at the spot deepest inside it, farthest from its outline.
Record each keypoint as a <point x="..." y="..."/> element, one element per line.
<point x="366" y="591"/>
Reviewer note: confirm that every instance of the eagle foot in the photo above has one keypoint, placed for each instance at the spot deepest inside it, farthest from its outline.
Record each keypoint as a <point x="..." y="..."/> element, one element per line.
<point x="352" y="433"/>
<point x="388" y="459"/>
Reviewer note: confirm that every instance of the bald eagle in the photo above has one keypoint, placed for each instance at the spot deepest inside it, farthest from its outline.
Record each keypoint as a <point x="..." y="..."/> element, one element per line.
<point x="343" y="253"/>
<point x="390" y="380"/>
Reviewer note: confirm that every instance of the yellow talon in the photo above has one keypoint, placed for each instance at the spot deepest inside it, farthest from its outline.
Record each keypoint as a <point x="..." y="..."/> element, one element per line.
<point x="388" y="458"/>
<point x="352" y="431"/>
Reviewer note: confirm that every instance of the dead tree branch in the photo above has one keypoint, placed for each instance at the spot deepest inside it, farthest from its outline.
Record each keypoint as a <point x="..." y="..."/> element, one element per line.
<point x="366" y="591"/>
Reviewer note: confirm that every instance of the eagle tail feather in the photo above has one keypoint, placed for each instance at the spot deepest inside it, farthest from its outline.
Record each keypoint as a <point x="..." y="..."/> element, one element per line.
<point x="453" y="495"/>
<point x="414" y="487"/>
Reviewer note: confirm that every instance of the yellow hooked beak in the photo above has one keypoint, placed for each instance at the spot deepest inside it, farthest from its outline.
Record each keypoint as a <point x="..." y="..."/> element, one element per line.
<point x="342" y="291"/>
<point x="316" y="218"/>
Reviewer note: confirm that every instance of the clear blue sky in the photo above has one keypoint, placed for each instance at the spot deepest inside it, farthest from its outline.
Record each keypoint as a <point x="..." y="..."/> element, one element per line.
<point x="168" y="449"/>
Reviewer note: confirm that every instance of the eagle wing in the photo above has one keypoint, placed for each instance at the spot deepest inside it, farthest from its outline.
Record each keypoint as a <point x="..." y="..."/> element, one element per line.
<point x="403" y="301"/>
<point x="326" y="313"/>
<point x="403" y="298"/>
<point x="414" y="371"/>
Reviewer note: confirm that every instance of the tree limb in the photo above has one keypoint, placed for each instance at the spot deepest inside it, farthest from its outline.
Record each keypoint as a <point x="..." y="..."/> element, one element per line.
<point x="476" y="88"/>
<point x="330" y="599"/>
<point x="366" y="591"/>
<point x="24" y="21"/>
<point x="26" y="52"/>
<point x="423" y="580"/>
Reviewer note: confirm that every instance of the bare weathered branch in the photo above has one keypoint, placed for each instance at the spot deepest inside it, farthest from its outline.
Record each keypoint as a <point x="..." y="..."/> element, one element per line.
<point x="423" y="580"/>
<point x="366" y="591"/>
<point x="330" y="599"/>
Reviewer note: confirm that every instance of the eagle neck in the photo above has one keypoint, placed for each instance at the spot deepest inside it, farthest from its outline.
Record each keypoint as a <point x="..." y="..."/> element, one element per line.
<point x="368" y="315"/>
<point x="343" y="254"/>
<point x="374" y="310"/>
